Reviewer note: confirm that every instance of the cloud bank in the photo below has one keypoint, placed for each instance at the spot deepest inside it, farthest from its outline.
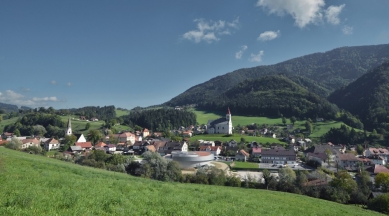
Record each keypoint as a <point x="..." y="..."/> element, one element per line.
<point x="268" y="35"/>
<point x="256" y="57"/>
<point x="304" y="12"/>
<point x="15" y="98"/>
<point x="210" y="31"/>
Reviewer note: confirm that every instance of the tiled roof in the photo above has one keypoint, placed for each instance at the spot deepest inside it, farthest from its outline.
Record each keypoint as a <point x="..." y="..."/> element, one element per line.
<point x="151" y="148"/>
<point x="380" y="169"/>
<point x="100" y="144"/>
<point x="379" y="151"/>
<point x="243" y="152"/>
<point x="278" y="152"/>
<point x="257" y="150"/>
<point x="84" y="144"/>
<point x="347" y="157"/>
<point x="34" y="140"/>
<point x="52" y="141"/>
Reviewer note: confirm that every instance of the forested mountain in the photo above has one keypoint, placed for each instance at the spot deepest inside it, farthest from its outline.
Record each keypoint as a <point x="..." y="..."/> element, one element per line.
<point x="271" y="96"/>
<point x="321" y="73"/>
<point x="367" y="97"/>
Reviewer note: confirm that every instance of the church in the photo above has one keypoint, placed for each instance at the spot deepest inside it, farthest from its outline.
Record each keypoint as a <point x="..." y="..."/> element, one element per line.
<point x="221" y="125"/>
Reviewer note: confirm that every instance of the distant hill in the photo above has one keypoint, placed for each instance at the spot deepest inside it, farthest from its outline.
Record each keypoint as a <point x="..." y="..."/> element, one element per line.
<point x="12" y="108"/>
<point x="321" y="73"/>
<point x="367" y="97"/>
<point x="271" y="96"/>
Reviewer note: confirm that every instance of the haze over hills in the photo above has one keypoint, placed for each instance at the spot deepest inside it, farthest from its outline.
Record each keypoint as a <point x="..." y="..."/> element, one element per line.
<point x="12" y="108"/>
<point x="321" y="73"/>
<point x="367" y="97"/>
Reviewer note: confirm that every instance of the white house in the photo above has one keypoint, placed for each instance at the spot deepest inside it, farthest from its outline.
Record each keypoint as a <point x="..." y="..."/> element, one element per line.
<point x="215" y="150"/>
<point x="30" y="142"/>
<point x="384" y="153"/>
<point x="126" y="137"/>
<point x="51" y="144"/>
<point x="221" y="125"/>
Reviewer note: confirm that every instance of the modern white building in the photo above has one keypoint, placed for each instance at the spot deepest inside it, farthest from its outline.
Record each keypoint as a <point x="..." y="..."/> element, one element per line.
<point x="221" y="125"/>
<point x="192" y="159"/>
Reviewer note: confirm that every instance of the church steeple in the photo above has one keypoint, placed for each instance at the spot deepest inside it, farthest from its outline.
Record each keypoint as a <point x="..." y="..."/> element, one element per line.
<point x="69" y="129"/>
<point x="228" y="116"/>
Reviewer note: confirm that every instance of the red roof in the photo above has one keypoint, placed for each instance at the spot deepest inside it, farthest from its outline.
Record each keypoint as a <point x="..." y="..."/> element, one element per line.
<point x="146" y="130"/>
<point x="228" y="112"/>
<point x="84" y="144"/>
<point x="100" y="144"/>
<point x="380" y="169"/>
<point x="34" y="140"/>
<point x="257" y="150"/>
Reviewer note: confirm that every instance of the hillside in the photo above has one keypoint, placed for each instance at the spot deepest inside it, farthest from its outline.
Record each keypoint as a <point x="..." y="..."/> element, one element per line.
<point x="271" y="96"/>
<point x="36" y="185"/>
<point x="320" y="73"/>
<point x="12" y="108"/>
<point x="367" y="97"/>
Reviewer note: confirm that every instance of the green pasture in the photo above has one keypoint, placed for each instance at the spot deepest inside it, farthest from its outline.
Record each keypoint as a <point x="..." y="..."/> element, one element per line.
<point x="121" y="113"/>
<point x="245" y="165"/>
<point x="5" y="122"/>
<point x="37" y="185"/>
<point x="236" y="137"/>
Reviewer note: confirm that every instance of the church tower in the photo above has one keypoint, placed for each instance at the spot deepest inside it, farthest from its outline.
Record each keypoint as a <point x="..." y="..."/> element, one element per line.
<point x="228" y="116"/>
<point x="229" y="124"/>
<point x="69" y="129"/>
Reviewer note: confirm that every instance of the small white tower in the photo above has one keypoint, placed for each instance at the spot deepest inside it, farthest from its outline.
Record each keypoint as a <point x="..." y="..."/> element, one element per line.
<point x="229" y="125"/>
<point x="228" y="116"/>
<point x="69" y="129"/>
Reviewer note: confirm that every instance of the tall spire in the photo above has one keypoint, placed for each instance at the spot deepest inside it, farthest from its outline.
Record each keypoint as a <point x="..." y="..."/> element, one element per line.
<point x="69" y="129"/>
<point x="228" y="111"/>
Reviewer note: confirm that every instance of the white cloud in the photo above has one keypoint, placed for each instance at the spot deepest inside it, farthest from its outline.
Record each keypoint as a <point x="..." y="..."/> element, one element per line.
<point x="332" y="14"/>
<point x="238" y="55"/>
<point x="69" y="84"/>
<point x="268" y="35"/>
<point x="15" y="98"/>
<point x="304" y="12"/>
<point x="210" y="31"/>
<point x="53" y="82"/>
<point x="53" y="99"/>
<point x="257" y="57"/>
<point x="347" y="30"/>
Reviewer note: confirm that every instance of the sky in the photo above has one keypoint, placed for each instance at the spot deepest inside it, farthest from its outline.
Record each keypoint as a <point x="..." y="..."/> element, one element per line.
<point x="71" y="54"/>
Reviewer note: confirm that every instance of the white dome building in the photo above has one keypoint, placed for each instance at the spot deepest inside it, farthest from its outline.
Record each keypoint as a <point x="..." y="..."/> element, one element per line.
<point x="192" y="159"/>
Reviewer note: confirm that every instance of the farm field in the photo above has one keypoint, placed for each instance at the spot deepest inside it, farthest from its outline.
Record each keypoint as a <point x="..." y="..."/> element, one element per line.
<point x="37" y="185"/>
<point x="5" y="122"/>
<point x="243" y="165"/>
<point x="236" y="137"/>
<point x="121" y="112"/>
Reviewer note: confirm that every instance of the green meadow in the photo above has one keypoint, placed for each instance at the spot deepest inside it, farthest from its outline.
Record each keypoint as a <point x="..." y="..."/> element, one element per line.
<point x="37" y="185"/>
<point x="121" y="112"/>
<point x="3" y="123"/>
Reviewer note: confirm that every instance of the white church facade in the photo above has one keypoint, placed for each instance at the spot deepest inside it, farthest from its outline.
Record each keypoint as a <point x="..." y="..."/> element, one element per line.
<point x="221" y="125"/>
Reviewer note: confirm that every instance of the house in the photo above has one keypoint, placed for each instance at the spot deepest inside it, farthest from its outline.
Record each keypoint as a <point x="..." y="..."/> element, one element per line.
<point x="150" y="148"/>
<point x="82" y="118"/>
<point x="100" y="144"/>
<point x="278" y="156"/>
<point x="384" y="153"/>
<point x="138" y="145"/>
<point x="221" y="125"/>
<point x="347" y="161"/>
<point x="365" y="161"/>
<point x="172" y="146"/>
<point x="256" y="152"/>
<point x="187" y="133"/>
<point x="30" y="142"/>
<point x="319" y="157"/>
<point x="94" y="119"/>
<point x="325" y="148"/>
<point x="232" y="143"/>
<point x="51" y="144"/>
<point x="375" y="169"/>
<point x="215" y="150"/>
<point x="75" y="149"/>
<point x="110" y="147"/>
<point x="146" y="132"/>
<point x="157" y="134"/>
<point x="254" y="144"/>
<point x="242" y="155"/>
<point x="6" y="135"/>
<point x="126" y="137"/>
<point x="231" y="150"/>
<point x="2" y="142"/>
<point x="84" y="145"/>
<point x="376" y="159"/>
<point x="206" y="143"/>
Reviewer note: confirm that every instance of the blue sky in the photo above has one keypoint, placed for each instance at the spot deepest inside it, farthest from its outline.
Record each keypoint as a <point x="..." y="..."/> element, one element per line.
<point x="69" y="54"/>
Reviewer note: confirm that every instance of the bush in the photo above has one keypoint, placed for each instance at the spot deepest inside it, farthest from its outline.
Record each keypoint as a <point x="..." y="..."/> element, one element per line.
<point x="380" y="203"/>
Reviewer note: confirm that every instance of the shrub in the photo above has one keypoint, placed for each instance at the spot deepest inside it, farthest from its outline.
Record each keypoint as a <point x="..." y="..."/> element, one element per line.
<point x="380" y="203"/>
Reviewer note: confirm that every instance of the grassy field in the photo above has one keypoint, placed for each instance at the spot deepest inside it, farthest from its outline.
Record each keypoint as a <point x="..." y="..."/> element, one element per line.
<point x="3" y="123"/>
<point x="37" y="185"/>
<point x="121" y="113"/>
<point x="236" y="137"/>
<point x="243" y="165"/>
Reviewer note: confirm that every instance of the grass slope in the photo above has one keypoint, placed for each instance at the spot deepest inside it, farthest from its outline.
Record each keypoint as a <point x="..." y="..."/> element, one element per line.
<point x="121" y="112"/>
<point x="236" y="137"/>
<point x="36" y="185"/>
<point x="3" y="123"/>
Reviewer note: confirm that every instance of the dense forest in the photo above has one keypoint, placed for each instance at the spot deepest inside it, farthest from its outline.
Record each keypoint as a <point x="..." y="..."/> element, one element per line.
<point x="160" y="119"/>
<point x="11" y="108"/>
<point x="104" y="113"/>
<point x="320" y="73"/>
<point x="367" y="97"/>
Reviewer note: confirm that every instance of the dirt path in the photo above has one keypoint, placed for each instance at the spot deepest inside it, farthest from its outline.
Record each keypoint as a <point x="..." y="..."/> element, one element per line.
<point x="220" y="165"/>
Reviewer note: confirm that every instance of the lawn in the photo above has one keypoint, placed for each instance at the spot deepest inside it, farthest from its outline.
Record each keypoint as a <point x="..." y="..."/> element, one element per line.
<point x="243" y="165"/>
<point x="236" y="137"/>
<point x="320" y="128"/>
<point x="37" y="185"/>
<point x="121" y="112"/>
<point x="5" y="122"/>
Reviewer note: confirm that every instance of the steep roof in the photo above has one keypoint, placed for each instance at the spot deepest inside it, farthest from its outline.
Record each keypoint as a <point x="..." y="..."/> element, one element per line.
<point x="379" y="151"/>
<point x="244" y="153"/>
<point x="217" y="121"/>
<point x="84" y="144"/>
<point x="151" y="148"/>
<point x="34" y="140"/>
<point x="52" y="141"/>
<point x="100" y="144"/>
<point x="347" y="157"/>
